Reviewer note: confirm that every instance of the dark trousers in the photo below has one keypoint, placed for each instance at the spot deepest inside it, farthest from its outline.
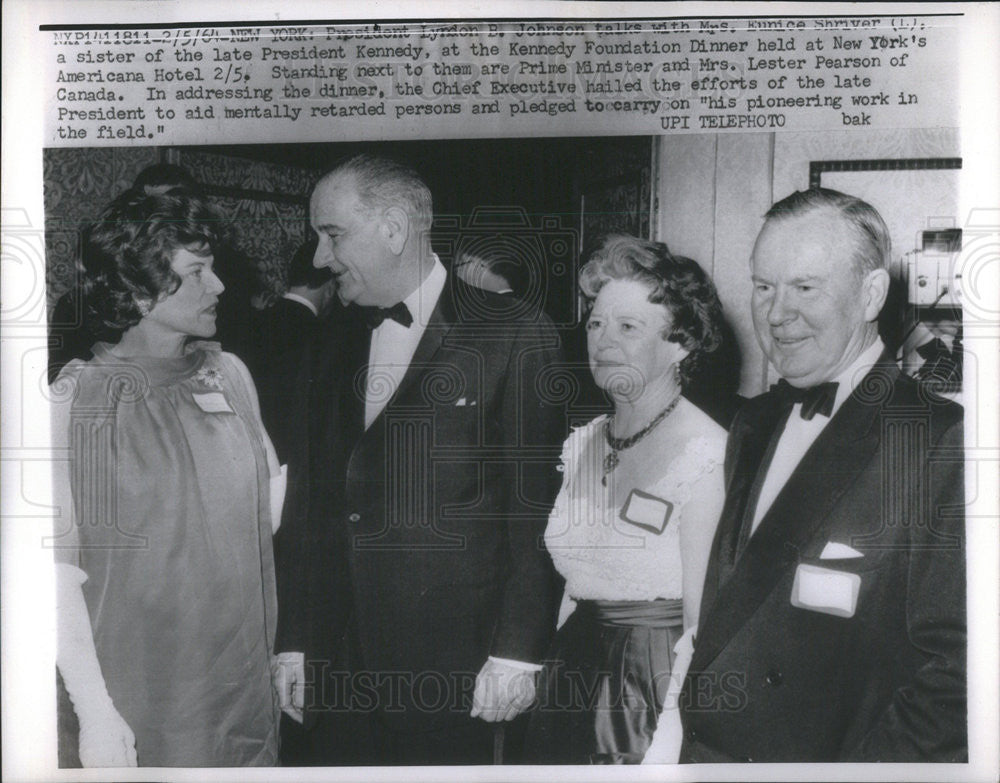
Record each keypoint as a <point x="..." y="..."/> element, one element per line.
<point x="342" y="739"/>
<point x="340" y="734"/>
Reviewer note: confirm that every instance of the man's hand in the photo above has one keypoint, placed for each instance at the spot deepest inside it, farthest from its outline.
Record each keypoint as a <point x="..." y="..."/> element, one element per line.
<point x="502" y="692"/>
<point x="288" y="673"/>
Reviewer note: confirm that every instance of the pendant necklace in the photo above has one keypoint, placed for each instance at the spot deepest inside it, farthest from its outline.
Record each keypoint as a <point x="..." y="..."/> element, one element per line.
<point x="620" y="444"/>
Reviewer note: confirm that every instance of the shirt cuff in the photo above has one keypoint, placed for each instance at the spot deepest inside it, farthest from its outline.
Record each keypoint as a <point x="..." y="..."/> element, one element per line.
<point x="523" y="665"/>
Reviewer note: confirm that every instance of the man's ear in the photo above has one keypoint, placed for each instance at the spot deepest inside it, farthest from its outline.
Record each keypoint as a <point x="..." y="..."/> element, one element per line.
<point x="874" y="291"/>
<point x="395" y="228"/>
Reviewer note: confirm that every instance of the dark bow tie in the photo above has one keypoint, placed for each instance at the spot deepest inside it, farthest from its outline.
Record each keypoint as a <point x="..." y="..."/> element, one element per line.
<point x="814" y="399"/>
<point x="400" y="313"/>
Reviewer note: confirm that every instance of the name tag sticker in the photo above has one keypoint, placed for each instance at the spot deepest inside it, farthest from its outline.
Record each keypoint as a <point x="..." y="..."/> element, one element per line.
<point x="825" y="590"/>
<point x="646" y="511"/>
<point x="212" y="402"/>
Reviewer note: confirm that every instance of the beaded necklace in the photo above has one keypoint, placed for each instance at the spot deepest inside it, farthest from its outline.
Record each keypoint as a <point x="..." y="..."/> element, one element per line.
<point x="620" y="444"/>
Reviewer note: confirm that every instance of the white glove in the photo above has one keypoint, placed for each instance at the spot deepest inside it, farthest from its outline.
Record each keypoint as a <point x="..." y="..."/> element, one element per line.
<point x="288" y="672"/>
<point x="105" y="738"/>
<point x="665" y="747"/>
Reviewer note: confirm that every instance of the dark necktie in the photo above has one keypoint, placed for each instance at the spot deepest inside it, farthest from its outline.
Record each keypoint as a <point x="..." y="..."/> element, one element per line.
<point x="374" y="316"/>
<point x="814" y="399"/>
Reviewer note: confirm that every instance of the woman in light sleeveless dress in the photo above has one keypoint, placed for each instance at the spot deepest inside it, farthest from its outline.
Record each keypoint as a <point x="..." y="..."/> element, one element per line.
<point x="632" y="526"/>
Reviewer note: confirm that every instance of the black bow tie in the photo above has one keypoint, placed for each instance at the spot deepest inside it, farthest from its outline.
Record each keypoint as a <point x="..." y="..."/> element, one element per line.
<point x="400" y="313"/>
<point x="814" y="399"/>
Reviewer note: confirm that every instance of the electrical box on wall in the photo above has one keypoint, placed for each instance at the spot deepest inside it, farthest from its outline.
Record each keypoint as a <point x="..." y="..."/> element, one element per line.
<point x="930" y="271"/>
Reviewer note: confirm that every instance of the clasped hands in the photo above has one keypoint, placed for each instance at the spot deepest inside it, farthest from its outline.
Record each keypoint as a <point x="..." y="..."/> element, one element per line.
<point x="502" y="691"/>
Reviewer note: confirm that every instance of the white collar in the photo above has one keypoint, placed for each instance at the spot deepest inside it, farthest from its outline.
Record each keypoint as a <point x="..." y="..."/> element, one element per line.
<point x="424" y="299"/>
<point x="850" y="378"/>
<point x="302" y="301"/>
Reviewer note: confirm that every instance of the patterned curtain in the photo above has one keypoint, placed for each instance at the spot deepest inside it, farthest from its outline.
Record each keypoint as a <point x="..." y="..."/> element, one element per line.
<point x="77" y="185"/>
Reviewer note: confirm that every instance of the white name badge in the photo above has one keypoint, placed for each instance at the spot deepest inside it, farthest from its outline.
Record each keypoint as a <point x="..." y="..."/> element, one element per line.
<point x="825" y="590"/>
<point x="646" y="511"/>
<point x="212" y="402"/>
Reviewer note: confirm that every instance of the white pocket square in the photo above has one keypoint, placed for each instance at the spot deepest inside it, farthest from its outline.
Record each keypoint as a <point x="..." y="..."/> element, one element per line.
<point x="836" y="551"/>
<point x="825" y="590"/>
<point x="462" y="402"/>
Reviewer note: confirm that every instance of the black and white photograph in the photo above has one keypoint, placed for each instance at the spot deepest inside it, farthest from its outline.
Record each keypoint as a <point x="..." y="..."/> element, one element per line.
<point x="420" y="393"/>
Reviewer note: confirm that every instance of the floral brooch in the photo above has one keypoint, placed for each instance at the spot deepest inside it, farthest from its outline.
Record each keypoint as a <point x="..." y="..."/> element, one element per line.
<point x="209" y="377"/>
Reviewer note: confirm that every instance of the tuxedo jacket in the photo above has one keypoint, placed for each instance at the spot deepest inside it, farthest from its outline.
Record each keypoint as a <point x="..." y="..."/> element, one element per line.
<point x="865" y="658"/>
<point x="424" y="532"/>
<point x="282" y="335"/>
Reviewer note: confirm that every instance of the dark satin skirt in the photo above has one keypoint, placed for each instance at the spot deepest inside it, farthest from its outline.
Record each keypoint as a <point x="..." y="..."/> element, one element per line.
<point x="604" y="683"/>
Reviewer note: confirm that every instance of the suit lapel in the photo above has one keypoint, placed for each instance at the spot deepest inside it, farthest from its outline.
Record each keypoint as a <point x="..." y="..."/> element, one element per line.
<point x="834" y="461"/>
<point x="340" y="383"/>
<point x="754" y="445"/>
<point x="440" y="323"/>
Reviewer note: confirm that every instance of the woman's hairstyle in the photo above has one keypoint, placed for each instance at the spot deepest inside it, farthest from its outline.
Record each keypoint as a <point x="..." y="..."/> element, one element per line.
<point x="164" y="177"/>
<point x="676" y="282"/>
<point x="128" y="250"/>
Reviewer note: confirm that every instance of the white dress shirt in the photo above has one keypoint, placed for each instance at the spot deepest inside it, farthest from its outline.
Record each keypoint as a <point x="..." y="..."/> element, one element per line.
<point x="393" y="344"/>
<point x="800" y="434"/>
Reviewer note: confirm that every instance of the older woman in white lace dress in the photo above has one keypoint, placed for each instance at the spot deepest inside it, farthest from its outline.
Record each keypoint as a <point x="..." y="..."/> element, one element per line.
<point x="632" y="527"/>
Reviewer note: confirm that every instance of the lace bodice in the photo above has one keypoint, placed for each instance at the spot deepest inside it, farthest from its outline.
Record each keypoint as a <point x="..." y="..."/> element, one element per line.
<point x="606" y="554"/>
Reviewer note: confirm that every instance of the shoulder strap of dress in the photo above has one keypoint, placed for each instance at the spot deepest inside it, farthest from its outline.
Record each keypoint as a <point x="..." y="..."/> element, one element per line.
<point x="575" y="446"/>
<point x="578" y="439"/>
<point x="699" y="456"/>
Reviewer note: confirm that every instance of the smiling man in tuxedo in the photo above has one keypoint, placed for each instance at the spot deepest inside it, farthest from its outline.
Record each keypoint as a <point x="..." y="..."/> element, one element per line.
<point x="425" y="598"/>
<point x="833" y="619"/>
